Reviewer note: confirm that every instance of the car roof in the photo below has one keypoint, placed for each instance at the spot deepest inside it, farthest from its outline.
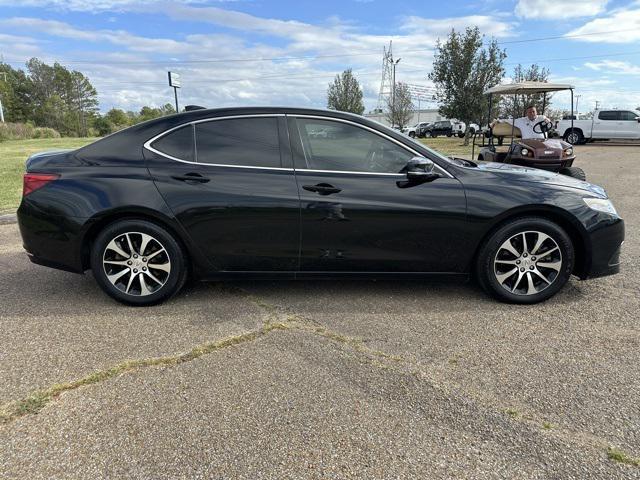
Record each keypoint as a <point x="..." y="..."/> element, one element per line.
<point x="527" y="87"/>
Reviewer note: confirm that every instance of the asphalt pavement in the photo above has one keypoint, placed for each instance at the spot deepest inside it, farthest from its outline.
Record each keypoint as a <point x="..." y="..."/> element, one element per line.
<point x="325" y="379"/>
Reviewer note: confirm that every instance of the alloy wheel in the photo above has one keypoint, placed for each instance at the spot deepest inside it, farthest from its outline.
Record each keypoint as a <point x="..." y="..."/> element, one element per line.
<point x="527" y="263"/>
<point x="136" y="263"/>
<point x="573" y="138"/>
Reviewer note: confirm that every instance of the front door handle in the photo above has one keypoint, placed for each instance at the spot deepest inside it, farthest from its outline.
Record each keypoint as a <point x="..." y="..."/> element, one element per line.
<point x="322" y="189"/>
<point x="191" y="178"/>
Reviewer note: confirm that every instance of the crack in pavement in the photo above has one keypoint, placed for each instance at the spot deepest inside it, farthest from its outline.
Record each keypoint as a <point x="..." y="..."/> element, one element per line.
<point x="279" y="318"/>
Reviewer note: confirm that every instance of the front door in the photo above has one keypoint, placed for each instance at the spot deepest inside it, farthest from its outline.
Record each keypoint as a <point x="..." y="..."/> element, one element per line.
<point x="355" y="217"/>
<point x="233" y="189"/>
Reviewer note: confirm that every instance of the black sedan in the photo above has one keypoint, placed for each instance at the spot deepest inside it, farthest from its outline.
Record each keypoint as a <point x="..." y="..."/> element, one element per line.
<point x="300" y="193"/>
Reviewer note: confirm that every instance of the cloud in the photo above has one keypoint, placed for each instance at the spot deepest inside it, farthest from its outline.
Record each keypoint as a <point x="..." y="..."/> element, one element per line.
<point x="620" y="26"/>
<point x="614" y="67"/>
<point x="18" y="47"/>
<point x="488" y="25"/>
<point x="559" y="9"/>
<point x="95" y="5"/>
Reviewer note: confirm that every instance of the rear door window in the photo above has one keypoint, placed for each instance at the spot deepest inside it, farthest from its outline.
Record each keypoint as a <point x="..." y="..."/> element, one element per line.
<point x="247" y="142"/>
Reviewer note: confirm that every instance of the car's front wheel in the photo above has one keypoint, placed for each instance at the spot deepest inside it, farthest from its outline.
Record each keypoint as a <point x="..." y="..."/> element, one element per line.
<point x="525" y="261"/>
<point x="138" y="262"/>
<point x="412" y="134"/>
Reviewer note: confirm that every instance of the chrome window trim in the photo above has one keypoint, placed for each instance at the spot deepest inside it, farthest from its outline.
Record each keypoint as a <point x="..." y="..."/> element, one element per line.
<point x="148" y="146"/>
<point x="148" y="143"/>
<point x="375" y="132"/>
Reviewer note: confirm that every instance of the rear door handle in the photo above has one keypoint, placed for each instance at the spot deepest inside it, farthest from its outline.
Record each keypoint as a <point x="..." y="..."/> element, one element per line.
<point x="322" y="189"/>
<point x="191" y="178"/>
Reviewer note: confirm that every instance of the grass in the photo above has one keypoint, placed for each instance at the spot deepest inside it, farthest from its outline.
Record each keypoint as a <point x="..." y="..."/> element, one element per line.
<point x="14" y="153"/>
<point x="452" y="147"/>
<point x="621" y="457"/>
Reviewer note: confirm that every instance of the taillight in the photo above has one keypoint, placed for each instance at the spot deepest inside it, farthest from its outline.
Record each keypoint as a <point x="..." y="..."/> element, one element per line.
<point x="34" y="181"/>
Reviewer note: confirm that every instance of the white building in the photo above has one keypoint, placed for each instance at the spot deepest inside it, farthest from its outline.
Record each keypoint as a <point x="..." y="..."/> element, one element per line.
<point x="425" y="115"/>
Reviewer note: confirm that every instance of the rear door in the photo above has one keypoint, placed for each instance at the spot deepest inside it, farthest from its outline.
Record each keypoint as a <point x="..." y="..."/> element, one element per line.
<point x="607" y="125"/>
<point x="230" y="183"/>
<point x="630" y="127"/>
<point x="354" y="215"/>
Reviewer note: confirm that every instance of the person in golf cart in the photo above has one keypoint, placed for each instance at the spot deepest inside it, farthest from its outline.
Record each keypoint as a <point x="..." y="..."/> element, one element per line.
<point x="527" y="137"/>
<point x="525" y="124"/>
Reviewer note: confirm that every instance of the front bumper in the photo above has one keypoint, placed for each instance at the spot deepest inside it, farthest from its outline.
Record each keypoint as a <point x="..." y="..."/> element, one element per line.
<point x="606" y="245"/>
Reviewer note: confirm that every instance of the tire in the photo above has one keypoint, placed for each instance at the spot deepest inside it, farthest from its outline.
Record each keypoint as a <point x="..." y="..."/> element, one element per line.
<point x="574" y="137"/>
<point x="434" y="134"/>
<point x="575" y="172"/>
<point x="449" y="135"/>
<point x="412" y="134"/>
<point x="500" y="276"/>
<point x="150" y="276"/>
<point x="460" y="134"/>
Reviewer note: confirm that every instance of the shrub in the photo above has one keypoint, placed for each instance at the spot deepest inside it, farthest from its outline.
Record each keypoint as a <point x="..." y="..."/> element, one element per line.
<point x="45" y="132"/>
<point x="22" y="131"/>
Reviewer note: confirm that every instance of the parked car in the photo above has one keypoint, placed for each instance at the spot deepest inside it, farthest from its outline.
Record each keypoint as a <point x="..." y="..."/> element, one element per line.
<point x="251" y="192"/>
<point x="413" y="131"/>
<point x="603" y="125"/>
<point x="444" y="127"/>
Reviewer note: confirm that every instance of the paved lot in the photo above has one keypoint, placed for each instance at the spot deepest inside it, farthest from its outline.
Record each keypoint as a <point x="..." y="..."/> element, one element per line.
<point x="347" y="379"/>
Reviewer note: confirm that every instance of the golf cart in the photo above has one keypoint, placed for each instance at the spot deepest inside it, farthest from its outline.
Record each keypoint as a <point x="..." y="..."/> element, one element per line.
<point x="546" y="153"/>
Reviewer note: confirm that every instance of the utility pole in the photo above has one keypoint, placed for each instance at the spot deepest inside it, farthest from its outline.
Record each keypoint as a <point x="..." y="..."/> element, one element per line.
<point x="174" y="81"/>
<point x="393" y="89"/>
<point x="4" y="76"/>
<point x="597" y="104"/>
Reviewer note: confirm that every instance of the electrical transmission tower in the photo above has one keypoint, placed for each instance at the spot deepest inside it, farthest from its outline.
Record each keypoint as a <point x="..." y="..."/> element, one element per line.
<point x="386" y="84"/>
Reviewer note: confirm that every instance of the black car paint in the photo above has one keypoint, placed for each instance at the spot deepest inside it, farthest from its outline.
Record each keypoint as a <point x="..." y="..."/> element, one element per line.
<point x="252" y="221"/>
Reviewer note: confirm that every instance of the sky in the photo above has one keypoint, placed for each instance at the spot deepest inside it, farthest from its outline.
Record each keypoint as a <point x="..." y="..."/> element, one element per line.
<point x="258" y="52"/>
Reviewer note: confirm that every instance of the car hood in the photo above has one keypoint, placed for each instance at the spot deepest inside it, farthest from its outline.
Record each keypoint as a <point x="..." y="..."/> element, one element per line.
<point x="535" y="175"/>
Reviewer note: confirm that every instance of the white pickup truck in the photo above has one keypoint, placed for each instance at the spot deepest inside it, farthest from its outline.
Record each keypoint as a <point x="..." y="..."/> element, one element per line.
<point x="604" y="125"/>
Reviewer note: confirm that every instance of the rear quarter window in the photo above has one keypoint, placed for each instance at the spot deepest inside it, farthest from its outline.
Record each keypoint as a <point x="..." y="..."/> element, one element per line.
<point x="178" y="144"/>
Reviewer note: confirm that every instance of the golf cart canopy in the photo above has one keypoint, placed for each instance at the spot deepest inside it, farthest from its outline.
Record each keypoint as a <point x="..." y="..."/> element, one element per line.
<point x="527" y="87"/>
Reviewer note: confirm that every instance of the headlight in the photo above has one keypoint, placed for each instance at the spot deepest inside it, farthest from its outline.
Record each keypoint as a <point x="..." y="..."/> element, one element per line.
<point x="601" y="205"/>
<point x="568" y="152"/>
<point x="524" y="151"/>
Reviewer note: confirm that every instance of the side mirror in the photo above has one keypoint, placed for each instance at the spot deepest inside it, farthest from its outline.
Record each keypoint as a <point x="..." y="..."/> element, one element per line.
<point x="638" y="119"/>
<point x="419" y="170"/>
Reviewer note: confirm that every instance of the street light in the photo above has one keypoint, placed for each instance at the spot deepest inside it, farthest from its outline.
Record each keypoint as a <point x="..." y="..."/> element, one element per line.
<point x="393" y="92"/>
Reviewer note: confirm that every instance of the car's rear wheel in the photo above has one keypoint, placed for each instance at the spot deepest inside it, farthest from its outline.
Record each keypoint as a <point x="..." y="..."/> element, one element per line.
<point x="525" y="261"/>
<point x="412" y="134"/>
<point x="138" y="262"/>
<point x="575" y="172"/>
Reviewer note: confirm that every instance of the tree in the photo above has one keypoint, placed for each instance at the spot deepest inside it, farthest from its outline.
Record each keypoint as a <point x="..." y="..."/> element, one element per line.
<point x="511" y="105"/>
<point x="462" y="71"/>
<point x="61" y="98"/>
<point x="399" y="106"/>
<point x="344" y="94"/>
